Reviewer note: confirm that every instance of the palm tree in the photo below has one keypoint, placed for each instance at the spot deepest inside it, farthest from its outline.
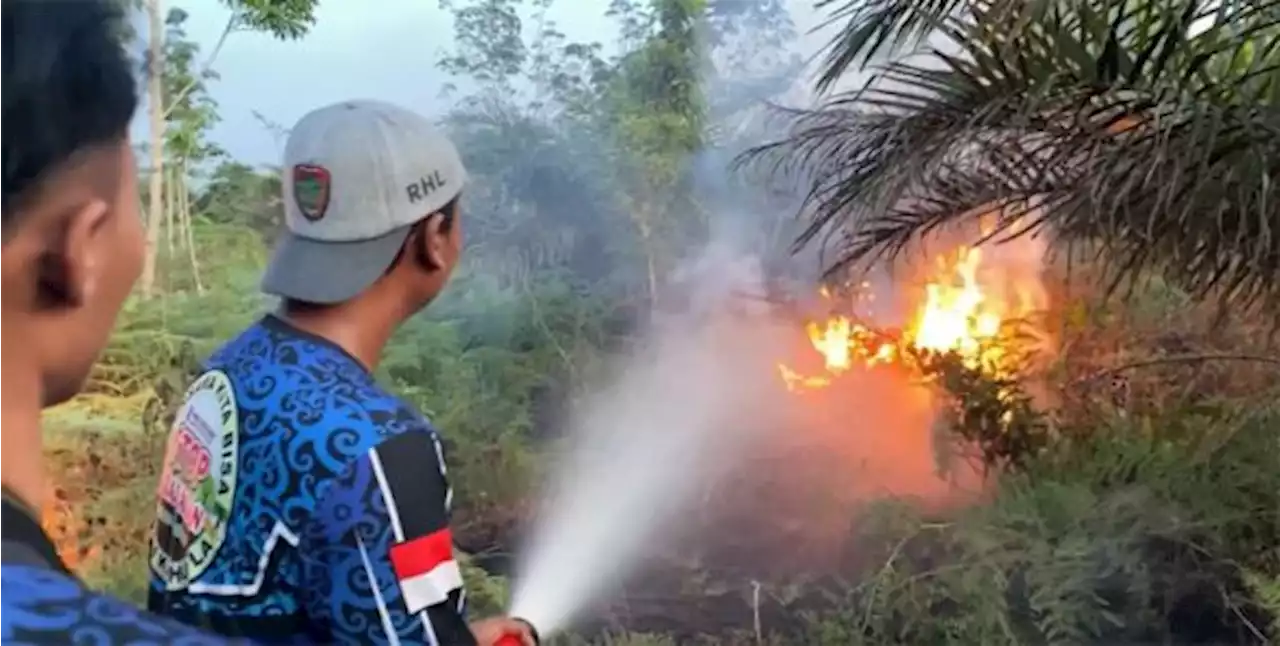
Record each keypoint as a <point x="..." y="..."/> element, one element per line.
<point x="1147" y="130"/>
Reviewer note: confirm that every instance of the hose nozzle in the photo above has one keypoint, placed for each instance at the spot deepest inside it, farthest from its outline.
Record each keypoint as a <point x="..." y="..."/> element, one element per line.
<point x="513" y="639"/>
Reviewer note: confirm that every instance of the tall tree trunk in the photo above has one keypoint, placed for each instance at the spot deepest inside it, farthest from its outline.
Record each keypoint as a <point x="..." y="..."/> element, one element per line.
<point x="652" y="266"/>
<point x="640" y="217"/>
<point x="170" y="212"/>
<point x="175" y="190"/>
<point x="184" y="213"/>
<point x="155" y="111"/>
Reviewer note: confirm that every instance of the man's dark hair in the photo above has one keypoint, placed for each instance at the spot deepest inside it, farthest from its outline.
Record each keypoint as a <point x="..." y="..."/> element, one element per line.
<point x="68" y="86"/>
<point x="449" y="214"/>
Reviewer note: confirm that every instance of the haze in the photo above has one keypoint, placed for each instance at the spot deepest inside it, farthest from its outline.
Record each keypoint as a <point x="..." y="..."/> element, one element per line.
<point x="354" y="51"/>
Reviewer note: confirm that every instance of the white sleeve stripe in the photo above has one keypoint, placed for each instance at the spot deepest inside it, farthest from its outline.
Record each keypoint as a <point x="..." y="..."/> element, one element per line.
<point x="429" y="629"/>
<point x="389" y="499"/>
<point x="439" y="454"/>
<point x="393" y="638"/>
<point x="444" y="472"/>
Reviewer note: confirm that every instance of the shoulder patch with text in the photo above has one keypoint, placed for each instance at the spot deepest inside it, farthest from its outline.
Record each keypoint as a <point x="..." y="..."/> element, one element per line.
<point x="197" y="482"/>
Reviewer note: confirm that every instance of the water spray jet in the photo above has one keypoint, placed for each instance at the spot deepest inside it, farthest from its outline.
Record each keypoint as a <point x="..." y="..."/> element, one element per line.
<point x="676" y="413"/>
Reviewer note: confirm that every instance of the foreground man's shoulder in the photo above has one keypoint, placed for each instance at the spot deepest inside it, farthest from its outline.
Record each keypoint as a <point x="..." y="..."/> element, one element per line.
<point x="401" y="428"/>
<point x="42" y="606"/>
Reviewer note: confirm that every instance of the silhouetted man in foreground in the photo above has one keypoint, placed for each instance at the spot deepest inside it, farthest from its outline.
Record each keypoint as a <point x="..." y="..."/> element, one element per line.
<point x="72" y="250"/>
<point x="300" y="501"/>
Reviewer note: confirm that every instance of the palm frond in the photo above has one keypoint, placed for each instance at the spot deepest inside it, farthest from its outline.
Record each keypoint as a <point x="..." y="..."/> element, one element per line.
<point x="875" y="27"/>
<point x="1150" y="129"/>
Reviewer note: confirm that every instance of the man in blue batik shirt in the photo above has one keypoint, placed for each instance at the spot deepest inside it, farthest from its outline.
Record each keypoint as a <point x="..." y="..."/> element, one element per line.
<point x="73" y="247"/>
<point x="300" y="501"/>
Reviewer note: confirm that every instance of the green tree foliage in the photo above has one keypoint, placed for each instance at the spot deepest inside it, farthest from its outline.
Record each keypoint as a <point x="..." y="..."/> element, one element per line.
<point x="1147" y="129"/>
<point x="238" y="194"/>
<point x="490" y="41"/>
<point x="657" y="117"/>
<point x="190" y="111"/>
<point x="189" y="114"/>
<point x="180" y="111"/>
<point x="657" y="98"/>
<point x="625" y="129"/>
<point x="284" y="19"/>
<point x="750" y="44"/>
<point x="542" y="206"/>
<point x="544" y="200"/>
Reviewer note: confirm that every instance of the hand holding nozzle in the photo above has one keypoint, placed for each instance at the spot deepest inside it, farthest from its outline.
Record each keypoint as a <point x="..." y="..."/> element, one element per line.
<point x="504" y="631"/>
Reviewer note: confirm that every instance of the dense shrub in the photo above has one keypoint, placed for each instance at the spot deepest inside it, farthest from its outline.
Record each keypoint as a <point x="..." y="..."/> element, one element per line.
<point x="1145" y="531"/>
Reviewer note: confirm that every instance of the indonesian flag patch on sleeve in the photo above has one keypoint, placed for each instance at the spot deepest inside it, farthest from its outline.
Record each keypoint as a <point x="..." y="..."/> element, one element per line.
<point x="426" y="570"/>
<point x="411" y="478"/>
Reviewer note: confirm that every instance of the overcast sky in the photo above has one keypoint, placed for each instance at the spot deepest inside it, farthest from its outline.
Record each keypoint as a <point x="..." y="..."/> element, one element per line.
<point x="354" y="51"/>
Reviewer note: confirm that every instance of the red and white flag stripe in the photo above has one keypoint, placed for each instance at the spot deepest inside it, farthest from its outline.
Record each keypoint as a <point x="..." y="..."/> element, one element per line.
<point x="422" y="556"/>
<point x="426" y="570"/>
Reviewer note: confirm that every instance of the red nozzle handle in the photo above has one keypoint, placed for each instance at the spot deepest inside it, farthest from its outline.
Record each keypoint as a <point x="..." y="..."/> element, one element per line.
<point x="510" y="639"/>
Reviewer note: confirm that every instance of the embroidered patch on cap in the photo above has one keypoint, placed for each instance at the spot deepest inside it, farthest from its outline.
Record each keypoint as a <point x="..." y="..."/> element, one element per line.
<point x="311" y="190"/>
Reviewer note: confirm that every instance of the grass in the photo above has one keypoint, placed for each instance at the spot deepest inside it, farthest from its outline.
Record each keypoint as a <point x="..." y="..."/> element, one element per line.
<point x="105" y="475"/>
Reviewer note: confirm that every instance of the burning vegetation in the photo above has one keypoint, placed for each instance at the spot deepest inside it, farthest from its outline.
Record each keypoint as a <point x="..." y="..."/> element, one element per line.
<point x="957" y="314"/>
<point x="968" y="329"/>
<point x="881" y="383"/>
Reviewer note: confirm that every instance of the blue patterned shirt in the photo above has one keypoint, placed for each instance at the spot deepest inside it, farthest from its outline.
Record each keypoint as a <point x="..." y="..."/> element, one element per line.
<point x="300" y="502"/>
<point x="44" y="604"/>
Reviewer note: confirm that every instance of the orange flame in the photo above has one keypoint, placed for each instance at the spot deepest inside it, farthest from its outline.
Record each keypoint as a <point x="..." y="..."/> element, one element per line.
<point x="832" y="341"/>
<point x="956" y="315"/>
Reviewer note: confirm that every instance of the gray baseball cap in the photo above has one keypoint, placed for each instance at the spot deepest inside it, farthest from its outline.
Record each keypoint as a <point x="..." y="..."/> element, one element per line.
<point x="357" y="176"/>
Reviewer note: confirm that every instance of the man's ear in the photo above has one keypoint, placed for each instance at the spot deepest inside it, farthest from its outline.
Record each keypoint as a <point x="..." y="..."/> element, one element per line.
<point x="70" y="259"/>
<point x="431" y="242"/>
